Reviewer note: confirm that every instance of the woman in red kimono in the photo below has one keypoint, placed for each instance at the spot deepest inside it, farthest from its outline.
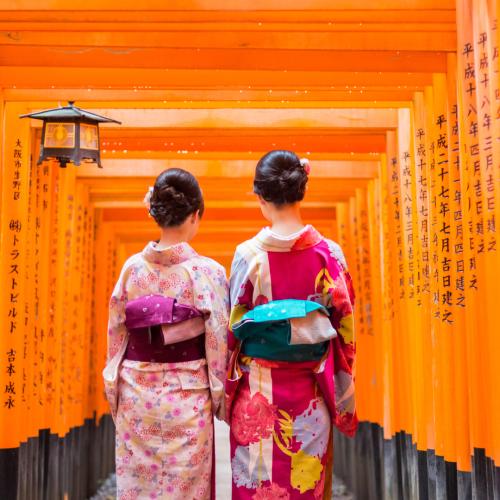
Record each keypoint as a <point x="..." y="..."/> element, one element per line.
<point x="292" y="331"/>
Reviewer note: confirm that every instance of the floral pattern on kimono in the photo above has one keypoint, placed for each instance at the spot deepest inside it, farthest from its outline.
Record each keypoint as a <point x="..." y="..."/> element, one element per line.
<point x="163" y="411"/>
<point x="288" y="462"/>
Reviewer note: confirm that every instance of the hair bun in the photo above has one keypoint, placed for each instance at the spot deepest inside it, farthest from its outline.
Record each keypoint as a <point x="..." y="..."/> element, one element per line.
<point x="176" y="195"/>
<point x="280" y="178"/>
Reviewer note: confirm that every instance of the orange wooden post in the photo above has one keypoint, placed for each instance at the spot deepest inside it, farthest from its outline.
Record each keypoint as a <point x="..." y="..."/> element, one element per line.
<point x="444" y="263"/>
<point x="375" y="234"/>
<point x="460" y="375"/>
<point x="53" y="299"/>
<point x="365" y="341"/>
<point x="395" y="225"/>
<point x="387" y="297"/>
<point x="486" y="64"/>
<point x="408" y="299"/>
<point x="493" y="66"/>
<point x="425" y="417"/>
<point x="15" y="178"/>
<point x="361" y="396"/>
<point x="474" y="265"/>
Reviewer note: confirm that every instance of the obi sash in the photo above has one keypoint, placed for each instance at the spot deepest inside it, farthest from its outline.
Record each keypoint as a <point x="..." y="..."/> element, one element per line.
<point x="163" y="331"/>
<point x="159" y="330"/>
<point x="285" y="330"/>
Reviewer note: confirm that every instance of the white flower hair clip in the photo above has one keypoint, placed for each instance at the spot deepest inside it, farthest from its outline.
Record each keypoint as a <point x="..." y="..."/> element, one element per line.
<point x="305" y="164"/>
<point x="147" y="198"/>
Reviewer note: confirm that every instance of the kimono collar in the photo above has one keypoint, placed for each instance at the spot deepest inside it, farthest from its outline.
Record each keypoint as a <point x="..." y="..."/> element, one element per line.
<point x="168" y="256"/>
<point x="271" y="242"/>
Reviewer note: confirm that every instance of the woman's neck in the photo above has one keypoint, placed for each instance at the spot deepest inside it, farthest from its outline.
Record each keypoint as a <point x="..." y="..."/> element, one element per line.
<point x="287" y="221"/>
<point x="171" y="237"/>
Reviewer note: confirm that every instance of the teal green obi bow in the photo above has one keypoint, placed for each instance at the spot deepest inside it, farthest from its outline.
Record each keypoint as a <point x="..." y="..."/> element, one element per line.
<point x="266" y="331"/>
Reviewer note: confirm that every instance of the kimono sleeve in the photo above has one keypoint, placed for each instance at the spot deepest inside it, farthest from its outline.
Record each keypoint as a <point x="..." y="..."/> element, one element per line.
<point x="117" y="304"/>
<point x="117" y="335"/>
<point x="241" y="293"/>
<point x="340" y="298"/>
<point x="211" y="296"/>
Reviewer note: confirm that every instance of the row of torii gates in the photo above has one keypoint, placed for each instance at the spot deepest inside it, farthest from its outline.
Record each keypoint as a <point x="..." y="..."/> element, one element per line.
<point x="395" y="103"/>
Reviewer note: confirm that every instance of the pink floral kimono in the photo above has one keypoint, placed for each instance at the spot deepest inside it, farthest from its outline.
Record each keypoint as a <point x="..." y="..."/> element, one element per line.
<point x="281" y="412"/>
<point x="164" y="411"/>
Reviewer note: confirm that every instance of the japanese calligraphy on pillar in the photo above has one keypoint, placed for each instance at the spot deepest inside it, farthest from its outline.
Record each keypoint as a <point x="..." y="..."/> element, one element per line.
<point x="14" y="200"/>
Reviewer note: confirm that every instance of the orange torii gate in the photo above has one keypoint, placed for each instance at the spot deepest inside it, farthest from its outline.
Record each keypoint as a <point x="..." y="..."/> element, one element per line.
<point x="397" y="108"/>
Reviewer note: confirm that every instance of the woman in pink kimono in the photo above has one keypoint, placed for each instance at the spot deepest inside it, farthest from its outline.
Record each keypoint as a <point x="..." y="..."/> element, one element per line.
<point x="292" y="329"/>
<point x="167" y="354"/>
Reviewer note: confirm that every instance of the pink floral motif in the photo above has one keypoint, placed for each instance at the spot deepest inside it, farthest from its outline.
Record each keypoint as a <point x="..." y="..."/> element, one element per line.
<point x="221" y="319"/>
<point x="114" y="348"/>
<point x="187" y="294"/>
<point x="130" y="494"/>
<point x="112" y="302"/>
<point x="273" y="492"/>
<point x="120" y="471"/>
<point x="320" y="485"/>
<point x="176" y="432"/>
<point x="183" y="394"/>
<point x="197" y="458"/>
<point x="261" y="300"/>
<point x="266" y="363"/>
<point x="211" y="340"/>
<point x="200" y="492"/>
<point x="143" y="471"/>
<point x="128" y="404"/>
<point x="206" y="271"/>
<point x="307" y="239"/>
<point x="146" y="433"/>
<point x="252" y="418"/>
<point x="143" y="382"/>
<point x="144" y="281"/>
<point x="201" y="375"/>
<point x="180" y="483"/>
<point x="340" y="297"/>
<point x="173" y="280"/>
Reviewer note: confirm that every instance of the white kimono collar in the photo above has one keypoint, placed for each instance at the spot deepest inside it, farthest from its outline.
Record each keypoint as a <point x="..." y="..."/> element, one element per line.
<point x="168" y="256"/>
<point x="271" y="242"/>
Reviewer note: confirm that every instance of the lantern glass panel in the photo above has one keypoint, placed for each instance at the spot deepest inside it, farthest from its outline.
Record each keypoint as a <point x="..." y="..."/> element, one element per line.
<point x="60" y="135"/>
<point x="88" y="136"/>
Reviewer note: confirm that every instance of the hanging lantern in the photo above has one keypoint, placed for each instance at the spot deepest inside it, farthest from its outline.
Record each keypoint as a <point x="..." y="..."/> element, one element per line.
<point x="70" y="134"/>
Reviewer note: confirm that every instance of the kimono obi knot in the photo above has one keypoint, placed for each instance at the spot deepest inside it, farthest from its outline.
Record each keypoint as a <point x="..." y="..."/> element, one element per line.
<point x="163" y="331"/>
<point x="285" y="330"/>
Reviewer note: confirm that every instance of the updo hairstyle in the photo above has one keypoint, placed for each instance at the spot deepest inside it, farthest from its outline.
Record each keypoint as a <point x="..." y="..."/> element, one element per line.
<point x="280" y="178"/>
<point x="176" y="195"/>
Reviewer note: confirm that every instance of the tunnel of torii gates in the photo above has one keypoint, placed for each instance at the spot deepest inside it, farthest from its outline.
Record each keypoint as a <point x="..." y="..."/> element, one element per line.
<point x="395" y="103"/>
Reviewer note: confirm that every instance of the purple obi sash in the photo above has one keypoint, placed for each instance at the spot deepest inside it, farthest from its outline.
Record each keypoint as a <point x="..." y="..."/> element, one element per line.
<point x="163" y="331"/>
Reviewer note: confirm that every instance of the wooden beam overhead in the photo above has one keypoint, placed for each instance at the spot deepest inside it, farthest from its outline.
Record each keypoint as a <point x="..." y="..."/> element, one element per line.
<point x="367" y="119"/>
<point x="148" y="170"/>
<point x="164" y="147"/>
<point x="114" y="42"/>
<point x="151" y="98"/>
<point x="373" y="14"/>
<point x="225" y="5"/>
<point x="38" y="76"/>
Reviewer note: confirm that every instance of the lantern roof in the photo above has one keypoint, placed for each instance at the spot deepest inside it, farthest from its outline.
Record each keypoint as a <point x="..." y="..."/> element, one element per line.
<point x="69" y="111"/>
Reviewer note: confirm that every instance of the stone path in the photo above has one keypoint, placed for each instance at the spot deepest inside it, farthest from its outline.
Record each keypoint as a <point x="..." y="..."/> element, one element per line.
<point x="107" y="490"/>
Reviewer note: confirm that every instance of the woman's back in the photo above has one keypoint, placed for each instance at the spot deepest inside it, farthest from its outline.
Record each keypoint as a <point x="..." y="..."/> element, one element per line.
<point x="291" y="376"/>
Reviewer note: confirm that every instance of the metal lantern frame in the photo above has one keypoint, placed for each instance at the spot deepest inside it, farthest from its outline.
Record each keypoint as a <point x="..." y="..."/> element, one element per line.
<point x="79" y="148"/>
